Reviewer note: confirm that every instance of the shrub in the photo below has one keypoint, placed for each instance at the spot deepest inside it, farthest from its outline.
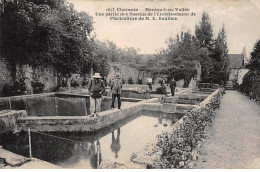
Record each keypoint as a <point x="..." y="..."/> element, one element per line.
<point x="251" y="84"/>
<point x="63" y="82"/>
<point x="55" y="89"/>
<point x="84" y="82"/>
<point x="74" y="83"/>
<point x="161" y="90"/>
<point x="38" y="87"/>
<point x="123" y="81"/>
<point x="16" y="89"/>
<point x="130" y="81"/>
<point x="179" y="148"/>
<point x="140" y="81"/>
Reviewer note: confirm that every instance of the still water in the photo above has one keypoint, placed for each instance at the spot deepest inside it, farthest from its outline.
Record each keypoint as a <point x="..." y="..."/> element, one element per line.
<point x="87" y="150"/>
<point x="55" y="106"/>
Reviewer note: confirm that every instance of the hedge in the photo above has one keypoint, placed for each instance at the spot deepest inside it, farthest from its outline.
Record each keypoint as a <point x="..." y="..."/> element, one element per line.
<point x="179" y="149"/>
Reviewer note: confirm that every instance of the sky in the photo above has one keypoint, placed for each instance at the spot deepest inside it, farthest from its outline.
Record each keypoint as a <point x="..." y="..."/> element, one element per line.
<point x="241" y="19"/>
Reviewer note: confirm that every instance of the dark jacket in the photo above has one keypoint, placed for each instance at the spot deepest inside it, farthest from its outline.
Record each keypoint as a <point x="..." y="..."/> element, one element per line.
<point x="172" y="84"/>
<point x="96" y="89"/>
<point x="116" y="86"/>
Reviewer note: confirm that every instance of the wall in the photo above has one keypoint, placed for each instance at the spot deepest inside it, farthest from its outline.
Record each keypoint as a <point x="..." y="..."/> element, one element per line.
<point x="193" y="84"/>
<point x="241" y="74"/>
<point x="46" y="75"/>
<point x="8" y="120"/>
<point x="5" y="73"/>
<point x="80" y="123"/>
<point x="180" y="83"/>
<point x="233" y="74"/>
<point x="125" y="72"/>
<point x="198" y="68"/>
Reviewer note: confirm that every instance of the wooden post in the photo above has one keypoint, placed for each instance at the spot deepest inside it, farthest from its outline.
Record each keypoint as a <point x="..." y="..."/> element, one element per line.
<point x="10" y="105"/>
<point x="30" y="143"/>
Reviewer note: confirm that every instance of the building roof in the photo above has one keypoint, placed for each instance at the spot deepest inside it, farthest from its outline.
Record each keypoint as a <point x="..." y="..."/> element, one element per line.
<point x="236" y="60"/>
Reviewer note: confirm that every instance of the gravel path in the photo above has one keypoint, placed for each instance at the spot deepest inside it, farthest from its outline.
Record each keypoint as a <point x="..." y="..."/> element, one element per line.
<point x="234" y="139"/>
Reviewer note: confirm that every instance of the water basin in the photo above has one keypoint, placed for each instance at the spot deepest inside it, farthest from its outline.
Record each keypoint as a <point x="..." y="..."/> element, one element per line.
<point x="87" y="150"/>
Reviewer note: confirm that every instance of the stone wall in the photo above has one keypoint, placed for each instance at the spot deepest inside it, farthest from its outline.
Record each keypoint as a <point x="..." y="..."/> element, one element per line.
<point x="5" y="73"/>
<point x="80" y="123"/>
<point x="46" y="75"/>
<point x="233" y="74"/>
<point x="241" y="74"/>
<point x="125" y="72"/>
<point x="8" y="120"/>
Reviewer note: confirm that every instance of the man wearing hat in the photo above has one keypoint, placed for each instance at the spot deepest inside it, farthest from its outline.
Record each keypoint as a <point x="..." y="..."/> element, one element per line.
<point x="96" y="89"/>
<point x="172" y="86"/>
<point x="116" y="87"/>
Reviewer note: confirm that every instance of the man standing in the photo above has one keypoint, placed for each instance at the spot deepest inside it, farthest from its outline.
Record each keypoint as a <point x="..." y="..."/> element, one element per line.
<point x="173" y="86"/>
<point x="96" y="89"/>
<point x="116" y="87"/>
<point x="149" y="83"/>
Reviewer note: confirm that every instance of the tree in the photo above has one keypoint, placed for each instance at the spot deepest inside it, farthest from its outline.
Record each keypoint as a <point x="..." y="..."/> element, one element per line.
<point x="251" y="81"/>
<point x="220" y="60"/>
<point x="46" y="33"/>
<point x="204" y="32"/>
<point x="254" y="63"/>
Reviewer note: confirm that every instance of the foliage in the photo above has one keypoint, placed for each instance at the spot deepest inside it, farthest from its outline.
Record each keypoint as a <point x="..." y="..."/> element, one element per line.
<point x="38" y="87"/>
<point x="251" y="81"/>
<point x="254" y="63"/>
<point x="15" y="89"/>
<point x="140" y="81"/>
<point x="123" y="81"/>
<point x="130" y="81"/>
<point x="74" y="83"/>
<point x="204" y="32"/>
<point x="179" y="147"/>
<point x="217" y="71"/>
<point x="107" y="52"/>
<point x="46" y="33"/>
<point x="251" y="85"/>
<point x="84" y="82"/>
<point x="100" y="58"/>
<point x="161" y="90"/>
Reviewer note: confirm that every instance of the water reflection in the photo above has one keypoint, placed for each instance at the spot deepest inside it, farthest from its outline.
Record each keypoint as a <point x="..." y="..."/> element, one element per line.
<point x="117" y="141"/>
<point x="84" y="155"/>
<point x="115" y="145"/>
<point x="95" y="154"/>
<point x="160" y="118"/>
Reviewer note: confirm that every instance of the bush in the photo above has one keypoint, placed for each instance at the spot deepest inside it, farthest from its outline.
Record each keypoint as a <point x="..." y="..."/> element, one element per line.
<point x="63" y="82"/>
<point x="16" y="89"/>
<point x="140" y="81"/>
<point x="84" y="82"/>
<point x="180" y="147"/>
<point x="55" y="89"/>
<point x="130" y="81"/>
<point x="74" y="83"/>
<point x="161" y="90"/>
<point x="123" y="81"/>
<point x="251" y="85"/>
<point x="38" y="87"/>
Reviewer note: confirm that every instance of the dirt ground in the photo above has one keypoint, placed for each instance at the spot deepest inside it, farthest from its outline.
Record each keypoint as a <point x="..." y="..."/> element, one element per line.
<point x="234" y="140"/>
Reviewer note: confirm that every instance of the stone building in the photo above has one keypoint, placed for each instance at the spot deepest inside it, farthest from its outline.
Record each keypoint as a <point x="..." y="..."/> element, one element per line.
<point x="237" y="68"/>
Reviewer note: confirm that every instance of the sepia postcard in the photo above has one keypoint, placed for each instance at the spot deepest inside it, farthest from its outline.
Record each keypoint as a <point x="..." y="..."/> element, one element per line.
<point x="129" y="84"/>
